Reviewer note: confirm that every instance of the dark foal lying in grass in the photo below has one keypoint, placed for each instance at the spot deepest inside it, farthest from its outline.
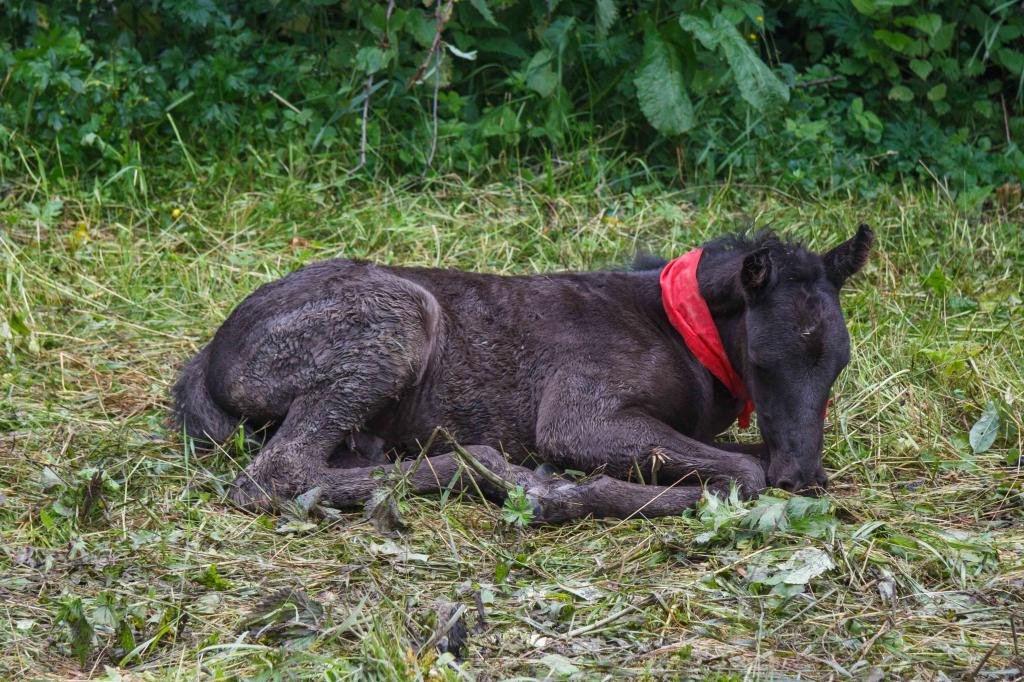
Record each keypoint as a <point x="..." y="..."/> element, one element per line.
<point x="621" y="374"/>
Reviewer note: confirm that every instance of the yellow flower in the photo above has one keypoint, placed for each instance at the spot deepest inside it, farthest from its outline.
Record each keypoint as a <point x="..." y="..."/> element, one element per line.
<point x="176" y="213"/>
<point x="753" y="37"/>
<point x="760" y="19"/>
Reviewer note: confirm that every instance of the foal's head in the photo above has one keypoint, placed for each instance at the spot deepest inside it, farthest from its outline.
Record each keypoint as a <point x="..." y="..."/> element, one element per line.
<point x="792" y="342"/>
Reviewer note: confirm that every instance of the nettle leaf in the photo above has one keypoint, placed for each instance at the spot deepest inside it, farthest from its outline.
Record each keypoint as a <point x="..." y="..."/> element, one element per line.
<point x="80" y="629"/>
<point x="983" y="433"/>
<point x="768" y="515"/>
<point x="381" y="510"/>
<point x="285" y="616"/>
<point x="607" y="12"/>
<point x="540" y="77"/>
<point x="212" y="579"/>
<point x="799" y="507"/>
<point x="659" y="88"/>
<point x="485" y="11"/>
<point x="371" y="59"/>
<point x="937" y="93"/>
<point x="761" y="88"/>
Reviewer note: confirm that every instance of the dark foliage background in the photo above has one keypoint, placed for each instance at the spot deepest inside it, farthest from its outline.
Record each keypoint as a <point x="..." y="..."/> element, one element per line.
<point x="819" y="95"/>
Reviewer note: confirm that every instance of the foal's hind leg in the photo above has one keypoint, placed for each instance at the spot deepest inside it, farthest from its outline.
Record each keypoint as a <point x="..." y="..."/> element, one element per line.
<point x="368" y="349"/>
<point x="293" y="460"/>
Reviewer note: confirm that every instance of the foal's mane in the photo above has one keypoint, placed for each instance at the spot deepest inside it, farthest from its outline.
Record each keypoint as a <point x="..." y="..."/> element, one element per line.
<point x="792" y="260"/>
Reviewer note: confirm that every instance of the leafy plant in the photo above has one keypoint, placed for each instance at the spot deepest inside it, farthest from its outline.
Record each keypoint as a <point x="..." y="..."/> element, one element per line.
<point x="80" y="631"/>
<point x="983" y="433"/>
<point x="517" y="509"/>
<point x="730" y="522"/>
<point x="816" y="94"/>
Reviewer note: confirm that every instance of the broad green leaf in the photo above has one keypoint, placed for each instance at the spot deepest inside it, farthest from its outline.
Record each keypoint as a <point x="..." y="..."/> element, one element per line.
<point x="937" y="281"/>
<point x="607" y="12"/>
<point x="943" y="37"/>
<point x="805" y="564"/>
<point x="984" y="431"/>
<point x="49" y="479"/>
<point x="540" y="77"/>
<point x="559" y="666"/>
<point x="921" y="68"/>
<point x="505" y="46"/>
<point x="701" y="29"/>
<point x="761" y="88"/>
<point x="799" y="507"/>
<point x="927" y="23"/>
<point x="768" y="515"/>
<point x="900" y="42"/>
<point x="18" y="324"/>
<point x="559" y="34"/>
<point x="485" y="11"/>
<point x="371" y="59"/>
<point x="307" y="500"/>
<point x="901" y="93"/>
<point x="937" y="93"/>
<point x="865" y="7"/>
<point x="800" y="568"/>
<point x="659" y="89"/>
<point x="1013" y="60"/>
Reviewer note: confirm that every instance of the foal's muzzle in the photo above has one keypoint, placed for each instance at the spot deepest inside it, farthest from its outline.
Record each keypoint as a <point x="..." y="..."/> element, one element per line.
<point x="795" y="479"/>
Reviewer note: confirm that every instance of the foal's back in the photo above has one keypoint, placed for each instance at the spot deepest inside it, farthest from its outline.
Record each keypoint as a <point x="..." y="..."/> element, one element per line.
<point x="399" y="351"/>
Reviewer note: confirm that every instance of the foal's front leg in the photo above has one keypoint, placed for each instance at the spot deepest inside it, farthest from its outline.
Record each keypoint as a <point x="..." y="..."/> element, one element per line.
<point x="627" y="440"/>
<point x="483" y="470"/>
<point x="757" y="450"/>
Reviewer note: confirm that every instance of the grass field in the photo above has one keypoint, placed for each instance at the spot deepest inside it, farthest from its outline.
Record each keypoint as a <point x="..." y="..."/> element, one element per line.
<point x="119" y="557"/>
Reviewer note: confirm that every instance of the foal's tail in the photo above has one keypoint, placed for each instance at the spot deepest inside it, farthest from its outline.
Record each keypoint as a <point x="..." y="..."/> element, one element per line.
<point x="195" y="411"/>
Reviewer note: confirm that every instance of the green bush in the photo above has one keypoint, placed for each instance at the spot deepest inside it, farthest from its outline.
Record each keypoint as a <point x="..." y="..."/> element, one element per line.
<point x="811" y="94"/>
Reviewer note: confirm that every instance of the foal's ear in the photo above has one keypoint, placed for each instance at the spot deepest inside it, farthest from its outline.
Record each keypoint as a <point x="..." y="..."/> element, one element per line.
<point x="756" y="273"/>
<point x="850" y="256"/>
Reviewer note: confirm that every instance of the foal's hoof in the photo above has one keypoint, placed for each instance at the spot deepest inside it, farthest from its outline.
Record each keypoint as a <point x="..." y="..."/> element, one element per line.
<point x="552" y="503"/>
<point x="546" y="470"/>
<point x="751" y="486"/>
<point x="247" y="496"/>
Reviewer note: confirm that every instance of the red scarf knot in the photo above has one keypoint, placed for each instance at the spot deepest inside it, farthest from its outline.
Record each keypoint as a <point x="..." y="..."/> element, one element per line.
<point x="689" y="314"/>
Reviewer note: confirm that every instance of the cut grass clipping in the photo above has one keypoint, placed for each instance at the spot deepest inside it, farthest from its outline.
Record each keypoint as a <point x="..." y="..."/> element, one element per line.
<point x="120" y="557"/>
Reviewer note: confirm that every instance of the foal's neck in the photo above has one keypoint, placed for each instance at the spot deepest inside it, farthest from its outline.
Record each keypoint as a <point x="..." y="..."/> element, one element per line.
<point x="719" y="285"/>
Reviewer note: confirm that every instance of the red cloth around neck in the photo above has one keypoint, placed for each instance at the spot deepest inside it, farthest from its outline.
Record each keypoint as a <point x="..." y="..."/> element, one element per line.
<point x="689" y="314"/>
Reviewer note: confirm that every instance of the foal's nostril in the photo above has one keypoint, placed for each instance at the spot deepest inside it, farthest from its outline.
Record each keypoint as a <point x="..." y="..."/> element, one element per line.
<point x="786" y="483"/>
